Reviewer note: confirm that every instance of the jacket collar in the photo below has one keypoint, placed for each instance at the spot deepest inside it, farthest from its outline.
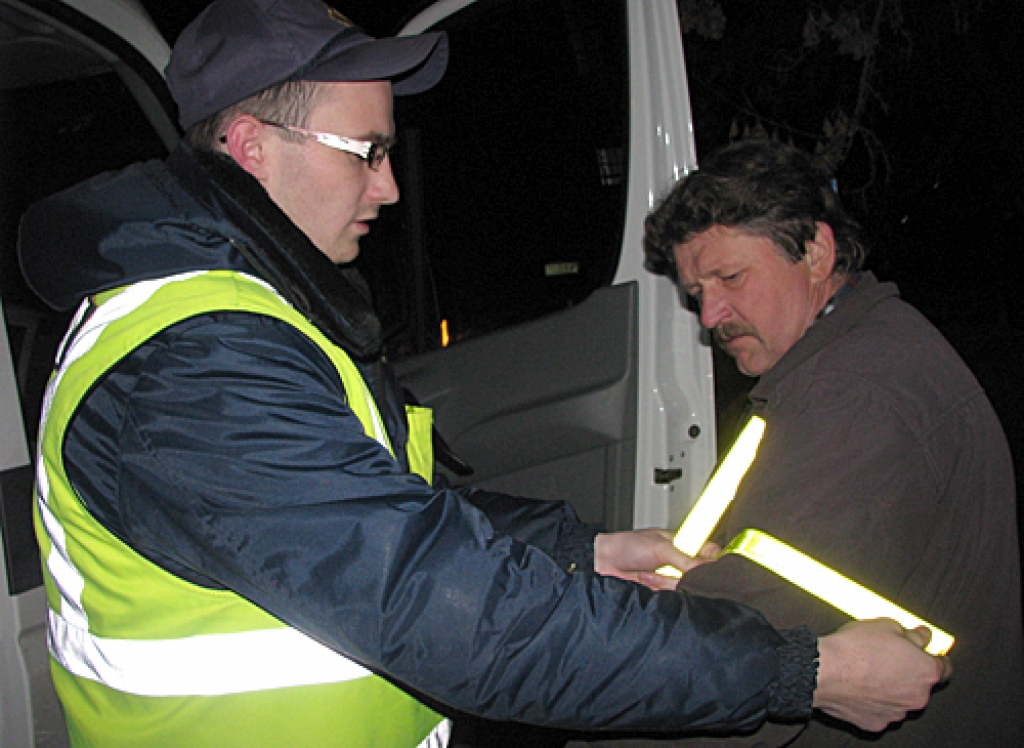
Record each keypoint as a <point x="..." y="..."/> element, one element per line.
<point x="857" y="301"/>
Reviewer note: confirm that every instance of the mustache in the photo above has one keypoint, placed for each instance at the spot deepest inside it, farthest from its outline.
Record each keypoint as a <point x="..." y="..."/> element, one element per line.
<point x="728" y="331"/>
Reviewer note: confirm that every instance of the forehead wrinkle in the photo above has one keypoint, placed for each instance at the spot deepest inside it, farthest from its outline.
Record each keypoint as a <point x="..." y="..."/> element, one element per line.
<point x="692" y="251"/>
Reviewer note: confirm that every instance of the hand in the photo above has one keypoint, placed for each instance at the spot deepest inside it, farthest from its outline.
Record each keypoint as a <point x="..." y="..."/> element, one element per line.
<point x="634" y="555"/>
<point x="872" y="673"/>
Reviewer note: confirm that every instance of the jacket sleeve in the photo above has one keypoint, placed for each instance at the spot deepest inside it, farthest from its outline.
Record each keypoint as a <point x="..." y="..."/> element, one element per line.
<point x="844" y="479"/>
<point x="551" y="526"/>
<point x="233" y="459"/>
<point x="848" y="495"/>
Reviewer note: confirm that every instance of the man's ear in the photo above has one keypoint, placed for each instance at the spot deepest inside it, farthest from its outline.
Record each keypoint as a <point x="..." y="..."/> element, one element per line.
<point x="821" y="252"/>
<point x="244" y="141"/>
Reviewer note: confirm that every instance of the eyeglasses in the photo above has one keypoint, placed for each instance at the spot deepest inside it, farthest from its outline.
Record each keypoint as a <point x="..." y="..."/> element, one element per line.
<point x="370" y="152"/>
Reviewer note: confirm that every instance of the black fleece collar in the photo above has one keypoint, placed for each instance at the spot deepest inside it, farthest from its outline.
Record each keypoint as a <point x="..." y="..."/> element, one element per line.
<point x="335" y="299"/>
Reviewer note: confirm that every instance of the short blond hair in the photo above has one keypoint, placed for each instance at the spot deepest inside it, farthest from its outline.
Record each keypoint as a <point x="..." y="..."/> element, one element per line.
<point x="289" y="103"/>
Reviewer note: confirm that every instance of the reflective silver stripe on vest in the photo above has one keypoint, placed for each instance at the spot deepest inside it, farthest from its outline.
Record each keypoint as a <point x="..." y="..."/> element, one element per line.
<point x="78" y="342"/>
<point x="204" y="665"/>
<point x="439" y="736"/>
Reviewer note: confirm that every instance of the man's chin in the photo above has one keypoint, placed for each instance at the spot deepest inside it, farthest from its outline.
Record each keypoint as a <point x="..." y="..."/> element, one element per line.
<point x="344" y="254"/>
<point x="750" y="363"/>
<point x="750" y="371"/>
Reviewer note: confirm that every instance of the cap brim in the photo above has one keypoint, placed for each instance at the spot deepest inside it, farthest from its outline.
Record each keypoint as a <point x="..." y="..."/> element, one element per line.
<point x="412" y="63"/>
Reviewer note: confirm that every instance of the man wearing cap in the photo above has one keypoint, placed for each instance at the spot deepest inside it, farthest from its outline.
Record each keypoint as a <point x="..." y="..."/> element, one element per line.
<point x="241" y="543"/>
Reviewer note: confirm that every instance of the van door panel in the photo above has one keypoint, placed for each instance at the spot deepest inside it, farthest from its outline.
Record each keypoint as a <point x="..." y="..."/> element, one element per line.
<point x="546" y="409"/>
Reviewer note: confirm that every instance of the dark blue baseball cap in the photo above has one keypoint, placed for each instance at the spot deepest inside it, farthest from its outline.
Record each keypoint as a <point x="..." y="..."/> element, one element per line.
<point x="236" y="48"/>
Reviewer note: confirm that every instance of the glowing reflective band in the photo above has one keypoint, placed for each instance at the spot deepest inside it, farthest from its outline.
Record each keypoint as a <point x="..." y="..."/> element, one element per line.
<point x="720" y="491"/>
<point x="829" y="585"/>
<point x="718" y="494"/>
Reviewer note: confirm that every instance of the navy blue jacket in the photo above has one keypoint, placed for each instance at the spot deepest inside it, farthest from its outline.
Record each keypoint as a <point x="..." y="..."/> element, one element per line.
<point x="224" y="451"/>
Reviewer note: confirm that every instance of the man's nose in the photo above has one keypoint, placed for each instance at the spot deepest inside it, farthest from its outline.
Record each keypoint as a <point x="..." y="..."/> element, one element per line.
<point x="713" y="308"/>
<point x="383" y="187"/>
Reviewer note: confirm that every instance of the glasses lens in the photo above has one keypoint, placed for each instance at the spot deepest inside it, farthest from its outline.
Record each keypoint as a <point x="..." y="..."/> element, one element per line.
<point x="378" y="152"/>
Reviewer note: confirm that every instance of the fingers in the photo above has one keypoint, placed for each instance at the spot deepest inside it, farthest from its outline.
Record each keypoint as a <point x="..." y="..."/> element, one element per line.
<point x="672" y="556"/>
<point x="919" y="636"/>
<point x="657" y="581"/>
<point x="710" y="551"/>
<point x="872" y="673"/>
<point x="638" y="554"/>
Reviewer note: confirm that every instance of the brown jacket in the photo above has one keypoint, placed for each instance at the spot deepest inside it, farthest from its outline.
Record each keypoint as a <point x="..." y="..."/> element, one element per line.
<point x="884" y="459"/>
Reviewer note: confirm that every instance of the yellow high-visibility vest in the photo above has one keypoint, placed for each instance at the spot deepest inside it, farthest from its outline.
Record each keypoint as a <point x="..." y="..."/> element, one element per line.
<point x="142" y="658"/>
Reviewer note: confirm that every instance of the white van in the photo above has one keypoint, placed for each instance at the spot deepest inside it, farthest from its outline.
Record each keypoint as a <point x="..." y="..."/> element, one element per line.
<point x="80" y="92"/>
<point x="509" y="279"/>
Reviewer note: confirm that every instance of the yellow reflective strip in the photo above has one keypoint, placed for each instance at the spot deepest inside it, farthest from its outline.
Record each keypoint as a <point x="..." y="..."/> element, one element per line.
<point x="829" y="585"/>
<point x="718" y="494"/>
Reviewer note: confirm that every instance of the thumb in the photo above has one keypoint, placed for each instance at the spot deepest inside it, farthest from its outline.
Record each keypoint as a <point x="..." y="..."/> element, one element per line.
<point x="919" y="636"/>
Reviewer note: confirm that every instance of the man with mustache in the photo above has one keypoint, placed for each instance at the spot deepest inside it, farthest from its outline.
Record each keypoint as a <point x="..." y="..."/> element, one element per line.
<point x="882" y="457"/>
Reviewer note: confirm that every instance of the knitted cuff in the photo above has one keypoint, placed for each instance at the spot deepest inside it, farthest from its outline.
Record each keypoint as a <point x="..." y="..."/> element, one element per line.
<point x="792" y="694"/>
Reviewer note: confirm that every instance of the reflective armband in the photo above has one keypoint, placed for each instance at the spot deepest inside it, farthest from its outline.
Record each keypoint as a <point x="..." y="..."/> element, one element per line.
<point x="717" y="495"/>
<point x="829" y="585"/>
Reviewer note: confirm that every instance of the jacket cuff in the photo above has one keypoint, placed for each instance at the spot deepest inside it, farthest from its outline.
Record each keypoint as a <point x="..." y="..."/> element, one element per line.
<point x="575" y="549"/>
<point x="791" y="696"/>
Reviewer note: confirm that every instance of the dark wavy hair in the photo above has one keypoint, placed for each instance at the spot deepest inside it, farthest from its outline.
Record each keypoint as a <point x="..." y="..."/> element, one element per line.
<point x="761" y="187"/>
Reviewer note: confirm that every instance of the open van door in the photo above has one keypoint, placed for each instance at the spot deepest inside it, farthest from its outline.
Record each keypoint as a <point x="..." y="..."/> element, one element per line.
<point x="510" y="275"/>
<point x="80" y="92"/>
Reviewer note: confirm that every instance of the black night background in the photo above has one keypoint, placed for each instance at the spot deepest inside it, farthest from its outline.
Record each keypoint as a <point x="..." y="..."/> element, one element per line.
<point x="936" y="175"/>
